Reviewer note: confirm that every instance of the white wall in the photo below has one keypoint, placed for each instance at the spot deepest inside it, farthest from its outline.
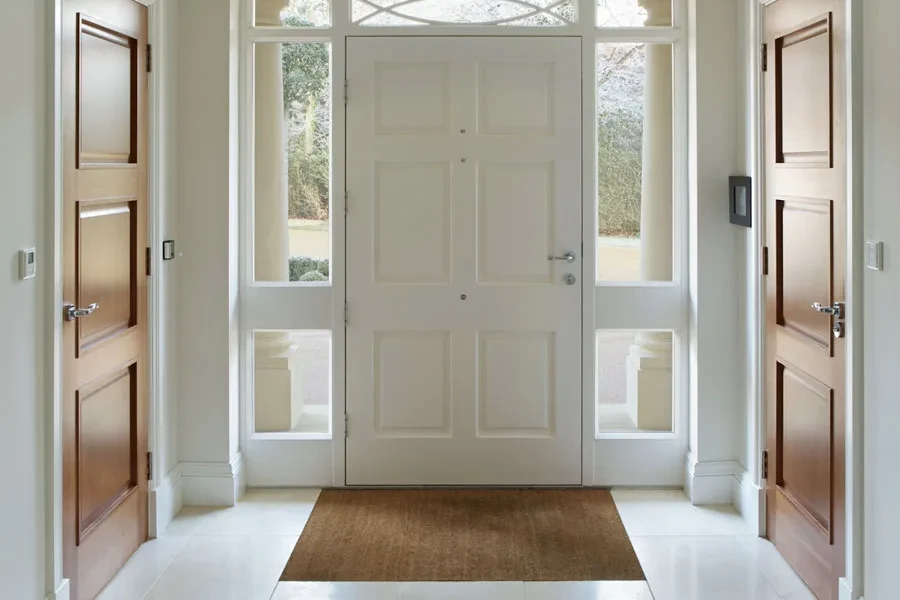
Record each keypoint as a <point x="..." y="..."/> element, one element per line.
<point x="718" y="249"/>
<point x="23" y="199"/>
<point x="881" y="158"/>
<point x="207" y="221"/>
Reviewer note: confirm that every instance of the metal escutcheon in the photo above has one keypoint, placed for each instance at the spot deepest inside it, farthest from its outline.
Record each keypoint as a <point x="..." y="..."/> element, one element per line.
<point x="838" y="330"/>
<point x="569" y="279"/>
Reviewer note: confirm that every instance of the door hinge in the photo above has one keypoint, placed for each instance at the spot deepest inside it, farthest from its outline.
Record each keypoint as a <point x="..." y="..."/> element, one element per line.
<point x="149" y="58"/>
<point x="149" y="466"/>
<point x="765" y="464"/>
<point x="346" y="202"/>
<point x="149" y="256"/>
<point x="346" y="314"/>
<point x="346" y="425"/>
<point x="765" y="260"/>
<point x="346" y="92"/>
<point x="764" y="57"/>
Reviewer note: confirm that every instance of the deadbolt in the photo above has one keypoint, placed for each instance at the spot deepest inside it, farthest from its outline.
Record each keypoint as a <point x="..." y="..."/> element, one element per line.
<point x="569" y="279"/>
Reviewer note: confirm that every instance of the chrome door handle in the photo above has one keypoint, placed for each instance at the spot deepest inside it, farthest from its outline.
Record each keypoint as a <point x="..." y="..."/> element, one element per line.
<point x="72" y="312"/>
<point x="836" y="310"/>
<point x="569" y="257"/>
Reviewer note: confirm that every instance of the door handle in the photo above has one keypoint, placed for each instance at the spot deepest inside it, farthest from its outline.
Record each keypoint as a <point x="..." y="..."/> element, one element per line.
<point x="836" y="310"/>
<point x="71" y="312"/>
<point x="568" y="257"/>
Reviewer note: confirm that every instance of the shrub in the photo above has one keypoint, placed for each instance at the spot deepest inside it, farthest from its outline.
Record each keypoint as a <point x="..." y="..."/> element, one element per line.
<point x="313" y="276"/>
<point x="300" y="266"/>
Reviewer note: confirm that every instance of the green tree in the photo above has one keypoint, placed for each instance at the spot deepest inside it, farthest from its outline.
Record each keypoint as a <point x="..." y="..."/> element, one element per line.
<point x="307" y="75"/>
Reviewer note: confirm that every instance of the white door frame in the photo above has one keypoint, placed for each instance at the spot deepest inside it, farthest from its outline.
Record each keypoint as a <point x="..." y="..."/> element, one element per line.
<point x="57" y="586"/>
<point x="634" y="456"/>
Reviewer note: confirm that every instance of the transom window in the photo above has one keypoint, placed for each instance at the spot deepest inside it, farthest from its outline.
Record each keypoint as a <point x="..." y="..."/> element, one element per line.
<point x="534" y="13"/>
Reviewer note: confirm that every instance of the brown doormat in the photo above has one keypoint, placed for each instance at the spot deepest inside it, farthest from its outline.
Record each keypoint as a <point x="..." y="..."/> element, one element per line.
<point x="464" y="535"/>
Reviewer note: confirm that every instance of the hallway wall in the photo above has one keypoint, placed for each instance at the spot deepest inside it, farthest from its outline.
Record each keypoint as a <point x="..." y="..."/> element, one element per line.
<point x="24" y="160"/>
<point x="881" y="157"/>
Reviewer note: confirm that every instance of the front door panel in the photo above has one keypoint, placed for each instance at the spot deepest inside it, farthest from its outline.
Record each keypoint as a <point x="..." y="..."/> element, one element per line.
<point x="464" y="339"/>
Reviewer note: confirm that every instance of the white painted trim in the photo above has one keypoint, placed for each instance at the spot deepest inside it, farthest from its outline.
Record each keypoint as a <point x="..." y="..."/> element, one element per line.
<point x="213" y="484"/>
<point x="53" y="290"/>
<point x="846" y="591"/>
<point x="854" y="433"/>
<point x="166" y="501"/>
<point x="61" y="593"/>
<point x="711" y="482"/>
<point x="749" y="500"/>
<point x="155" y="352"/>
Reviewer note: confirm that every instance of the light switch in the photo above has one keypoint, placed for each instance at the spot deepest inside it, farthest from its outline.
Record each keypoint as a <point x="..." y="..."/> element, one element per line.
<point x="875" y="256"/>
<point x="27" y="264"/>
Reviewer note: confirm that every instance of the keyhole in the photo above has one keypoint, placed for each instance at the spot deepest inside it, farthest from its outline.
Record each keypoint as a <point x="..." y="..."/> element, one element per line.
<point x="463" y="297"/>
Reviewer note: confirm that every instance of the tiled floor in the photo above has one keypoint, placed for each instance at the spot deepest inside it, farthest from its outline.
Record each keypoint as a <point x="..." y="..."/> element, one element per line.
<point x="238" y="553"/>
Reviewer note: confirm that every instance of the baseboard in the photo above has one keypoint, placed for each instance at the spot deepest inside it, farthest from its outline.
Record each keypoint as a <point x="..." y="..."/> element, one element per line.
<point x="846" y="591"/>
<point x="61" y="593"/>
<point x="711" y="483"/>
<point x="166" y="501"/>
<point x="213" y="484"/>
<point x="749" y="499"/>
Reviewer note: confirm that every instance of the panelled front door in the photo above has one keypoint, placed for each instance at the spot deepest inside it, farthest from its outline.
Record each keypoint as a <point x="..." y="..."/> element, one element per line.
<point x="464" y="261"/>
<point x="104" y="94"/>
<point x="806" y="165"/>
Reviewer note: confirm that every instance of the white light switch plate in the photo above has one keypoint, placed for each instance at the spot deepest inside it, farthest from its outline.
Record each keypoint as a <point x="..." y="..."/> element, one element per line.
<point x="27" y="264"/>
<point x="875" y="256"/>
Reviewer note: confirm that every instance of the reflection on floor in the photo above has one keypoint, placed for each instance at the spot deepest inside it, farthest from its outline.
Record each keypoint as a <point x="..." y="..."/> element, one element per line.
<point x="688" y="553"/>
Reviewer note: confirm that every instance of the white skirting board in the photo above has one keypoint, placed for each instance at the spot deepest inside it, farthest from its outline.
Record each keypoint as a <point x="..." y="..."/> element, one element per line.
<point x="711" y="483"/>
<point x="166" y="501"/>
<point x="846" y="592"/>
<point x="61" y="593"/>
<point x="213" y="484"/>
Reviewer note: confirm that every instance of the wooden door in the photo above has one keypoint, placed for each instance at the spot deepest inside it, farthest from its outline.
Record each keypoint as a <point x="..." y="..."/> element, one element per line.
<point x="464" y="333"/>
<point x="806" y="164"/>
<point x="104" y="96"/>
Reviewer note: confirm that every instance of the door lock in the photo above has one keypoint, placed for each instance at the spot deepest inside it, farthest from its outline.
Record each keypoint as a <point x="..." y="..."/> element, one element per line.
<point x="569" y="279"/>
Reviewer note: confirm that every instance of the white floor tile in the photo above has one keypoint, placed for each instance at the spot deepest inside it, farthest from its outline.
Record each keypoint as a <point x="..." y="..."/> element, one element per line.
<point x="188" y="520"/>
<point x="669" y="512"/>
<point x="588" y="590"/>
<point x="143" y="569"/>
<point x="225" y="568"/>
<point x="313" y="590"/>
<point x="701" y="568"/>
<point x="469" y="590"/>
<point x="263" y="512"/>
<point x="776" y="569"/>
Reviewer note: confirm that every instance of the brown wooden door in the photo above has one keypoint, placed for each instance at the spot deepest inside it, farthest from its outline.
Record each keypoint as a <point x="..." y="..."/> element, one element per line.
<point x="104" y="96"/>
<point x="806" y="163"/>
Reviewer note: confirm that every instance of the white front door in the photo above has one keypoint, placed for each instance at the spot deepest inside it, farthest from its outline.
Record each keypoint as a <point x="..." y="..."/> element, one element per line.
<point x="464" y="338"/>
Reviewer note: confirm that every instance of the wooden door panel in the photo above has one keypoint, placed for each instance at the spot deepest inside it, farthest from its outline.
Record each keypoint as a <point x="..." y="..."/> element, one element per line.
<point x="106" y="249"/>
<point x="107" y="113"/>
<point x="803" y="94"/>
<point x="806" y="421"/>
<point x="803" y="251"/>
<point x="105" y="367"/>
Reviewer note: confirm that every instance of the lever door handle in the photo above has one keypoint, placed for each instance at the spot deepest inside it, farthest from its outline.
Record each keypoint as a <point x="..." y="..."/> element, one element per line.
<point x="836" y="310"/>
<point x="72" y="312"/>
<point x="568" y="257"/>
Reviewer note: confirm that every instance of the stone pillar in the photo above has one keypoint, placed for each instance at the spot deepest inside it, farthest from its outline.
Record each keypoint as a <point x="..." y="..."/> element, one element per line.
<point x="277" y="406"/>
<point x="649" y="382"/>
